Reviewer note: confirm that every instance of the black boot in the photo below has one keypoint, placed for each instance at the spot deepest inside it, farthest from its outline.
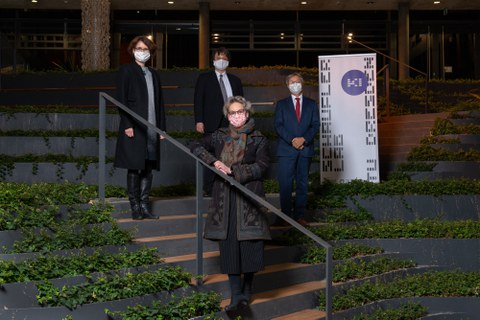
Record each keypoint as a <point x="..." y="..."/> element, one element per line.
<point x="145" y="186"/>
<point x="247" y="286"/>
<point x="133" y="191"/>
<point x="237" y="302"/>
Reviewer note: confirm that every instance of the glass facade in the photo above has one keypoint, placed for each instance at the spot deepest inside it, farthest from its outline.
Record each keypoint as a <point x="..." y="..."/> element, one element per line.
<point x="443" y="45"/>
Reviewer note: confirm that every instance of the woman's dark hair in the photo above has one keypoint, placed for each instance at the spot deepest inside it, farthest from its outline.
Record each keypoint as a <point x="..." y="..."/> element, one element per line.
<point x="152" y="47"/>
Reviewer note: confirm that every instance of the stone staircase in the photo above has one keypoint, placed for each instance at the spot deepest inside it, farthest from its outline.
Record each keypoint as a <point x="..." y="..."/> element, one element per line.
<point x="397" y="135"/>
<point x="286" y="288"/>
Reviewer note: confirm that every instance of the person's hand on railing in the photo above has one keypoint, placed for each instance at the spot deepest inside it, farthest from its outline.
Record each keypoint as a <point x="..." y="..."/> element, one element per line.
<point x="129" y="132"/>
<point x="220" y="166"/>
<point x="161" y="137"/>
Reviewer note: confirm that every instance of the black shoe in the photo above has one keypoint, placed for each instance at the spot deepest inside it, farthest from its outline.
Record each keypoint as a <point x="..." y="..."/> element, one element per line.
<point x="137" y="216"/>
<point x="148" y="215"/>
<point x="236" y="307"/>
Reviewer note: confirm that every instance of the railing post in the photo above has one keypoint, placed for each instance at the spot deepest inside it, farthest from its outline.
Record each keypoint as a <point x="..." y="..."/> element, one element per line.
<point x="199" y="210"/>
<point x="329" y="280"/>
<point x="387" y="90"/>
<point x="101" y="148"/>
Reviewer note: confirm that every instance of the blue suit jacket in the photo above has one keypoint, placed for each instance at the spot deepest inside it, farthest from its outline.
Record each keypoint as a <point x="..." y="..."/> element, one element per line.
<point x="288" y="127"/>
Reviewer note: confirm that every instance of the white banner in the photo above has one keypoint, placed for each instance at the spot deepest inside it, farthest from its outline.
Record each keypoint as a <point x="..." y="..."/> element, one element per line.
<point x="348" y="118"/>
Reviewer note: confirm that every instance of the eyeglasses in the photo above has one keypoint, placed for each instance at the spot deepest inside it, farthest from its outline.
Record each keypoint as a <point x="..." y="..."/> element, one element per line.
<point x="238" y="112"/>
<point x="142" y="49"/>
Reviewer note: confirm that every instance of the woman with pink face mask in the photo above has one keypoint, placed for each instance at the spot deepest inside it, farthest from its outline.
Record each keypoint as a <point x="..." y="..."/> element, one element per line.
<point x="236" y="222"/>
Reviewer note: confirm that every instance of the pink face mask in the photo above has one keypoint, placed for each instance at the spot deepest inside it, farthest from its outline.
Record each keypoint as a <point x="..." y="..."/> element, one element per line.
<point x="237" y="120"/>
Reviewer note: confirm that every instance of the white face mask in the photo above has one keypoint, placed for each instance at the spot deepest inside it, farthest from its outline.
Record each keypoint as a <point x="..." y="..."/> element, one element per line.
<point x="238" y="120"/>
<point x="220" y="64"/>
<point x="295" y="88"/>
<point x="141" y="56"/>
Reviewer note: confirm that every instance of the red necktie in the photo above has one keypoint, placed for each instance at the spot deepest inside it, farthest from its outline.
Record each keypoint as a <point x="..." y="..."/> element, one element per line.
<point x="297" y="108"/>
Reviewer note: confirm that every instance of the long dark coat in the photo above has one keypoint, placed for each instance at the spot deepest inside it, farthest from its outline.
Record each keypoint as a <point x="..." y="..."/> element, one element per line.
<point x="252" y="223"/>
<point x="132" y="92"/>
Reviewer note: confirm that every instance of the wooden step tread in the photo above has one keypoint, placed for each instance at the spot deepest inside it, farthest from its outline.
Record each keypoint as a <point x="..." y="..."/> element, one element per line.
<point x="309" y="314"/>
<point x="206" y="255"/>
<point x="219" y="277"/>
<point x="283" y="292"/>
<point x="161" y="218"/>
<point x="161" y="238"/>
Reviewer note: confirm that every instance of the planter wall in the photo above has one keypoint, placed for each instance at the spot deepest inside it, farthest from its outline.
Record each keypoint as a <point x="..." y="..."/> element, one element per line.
<point x="452" y="308"/>
<point x="411" y="207"/>
<point x="77" y="147"/>
<point x="179" y="86"/>
<point x="55" y="121"/>
<point x="448" y="254"/>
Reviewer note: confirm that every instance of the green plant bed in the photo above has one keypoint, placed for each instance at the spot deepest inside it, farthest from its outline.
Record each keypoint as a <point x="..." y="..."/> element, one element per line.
<point x="461" y="229"/>
<point x="53" y="108"/>
<point x="70" y="236"/>
<point x="15" y="215"/>
<point x="115" y="287"/>
<point x="446" y="126"/>
<point x="407" y="311"/>
<point x="315" y="254"/>
<point x="51" y="266"/>
<point x="428" y="284"/>
<point x="40" y="194"/>
<point x="80" y="133"/>
<point x="428" y="153"/>
<point x="334" y="195"/>
<point x="178" y="308"/>
<point x="359" y="269"/>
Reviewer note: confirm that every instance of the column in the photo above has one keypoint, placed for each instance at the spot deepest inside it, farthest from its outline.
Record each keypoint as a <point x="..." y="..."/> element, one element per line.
<point x="476" y="54"/>
<point x="204" y="35"/>
<point x="160" y="49"/>
<point x="95" y="34"/>
<point x="403" y="40"/>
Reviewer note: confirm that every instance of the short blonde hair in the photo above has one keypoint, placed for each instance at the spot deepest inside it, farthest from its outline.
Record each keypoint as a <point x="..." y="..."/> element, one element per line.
<point x="247" y="105"/>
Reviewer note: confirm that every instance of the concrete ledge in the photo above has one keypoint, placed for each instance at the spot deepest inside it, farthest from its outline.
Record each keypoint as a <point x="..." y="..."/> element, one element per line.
<point x="411" y="207"/>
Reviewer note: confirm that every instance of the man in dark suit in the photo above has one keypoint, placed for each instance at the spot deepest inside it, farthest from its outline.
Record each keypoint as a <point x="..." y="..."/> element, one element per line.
<point x="297" y="121"/>
<point x="212" y="90"/>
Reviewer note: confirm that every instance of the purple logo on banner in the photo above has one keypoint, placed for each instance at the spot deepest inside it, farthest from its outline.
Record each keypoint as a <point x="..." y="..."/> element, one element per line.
<point x="354" y="82"/>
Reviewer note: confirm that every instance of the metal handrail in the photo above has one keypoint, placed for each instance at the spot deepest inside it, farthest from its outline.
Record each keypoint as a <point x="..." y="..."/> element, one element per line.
<point x="103" y="97"/>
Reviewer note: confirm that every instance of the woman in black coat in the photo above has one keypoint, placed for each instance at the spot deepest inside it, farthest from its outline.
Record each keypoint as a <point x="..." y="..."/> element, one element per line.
<point x="238" y="223"/>
<point x="138" y="148"/>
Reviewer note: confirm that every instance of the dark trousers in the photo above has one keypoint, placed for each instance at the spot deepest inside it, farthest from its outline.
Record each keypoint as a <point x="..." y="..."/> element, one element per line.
<point x="294" y="168"/>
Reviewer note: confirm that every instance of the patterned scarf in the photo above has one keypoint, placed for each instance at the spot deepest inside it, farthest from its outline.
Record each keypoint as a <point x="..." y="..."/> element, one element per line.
<point x="235" y="143"/>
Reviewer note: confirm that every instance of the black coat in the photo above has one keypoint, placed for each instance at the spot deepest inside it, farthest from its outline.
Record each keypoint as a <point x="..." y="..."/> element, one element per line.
<point x="208" y="100"/>
<point x="132" y="92"/>
<point x="252" y="222"/>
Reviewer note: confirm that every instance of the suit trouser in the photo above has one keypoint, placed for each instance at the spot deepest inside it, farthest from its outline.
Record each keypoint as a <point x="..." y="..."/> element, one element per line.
<point x="294" y="168"/>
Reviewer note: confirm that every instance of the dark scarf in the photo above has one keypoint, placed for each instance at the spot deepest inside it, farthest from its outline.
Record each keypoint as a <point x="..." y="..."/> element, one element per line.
<point x="235" y="143"/>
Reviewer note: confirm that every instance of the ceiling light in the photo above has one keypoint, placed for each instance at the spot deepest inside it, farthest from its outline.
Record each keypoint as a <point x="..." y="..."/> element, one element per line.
<point x="436" y="2"/>
<point x="34" y="1"/>
<point x="303" y="2"/>
<point x="170" y="2"/>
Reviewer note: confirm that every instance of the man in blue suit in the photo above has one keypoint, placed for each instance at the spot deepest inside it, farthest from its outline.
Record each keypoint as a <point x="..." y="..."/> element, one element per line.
<point x="297" y="122"/>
